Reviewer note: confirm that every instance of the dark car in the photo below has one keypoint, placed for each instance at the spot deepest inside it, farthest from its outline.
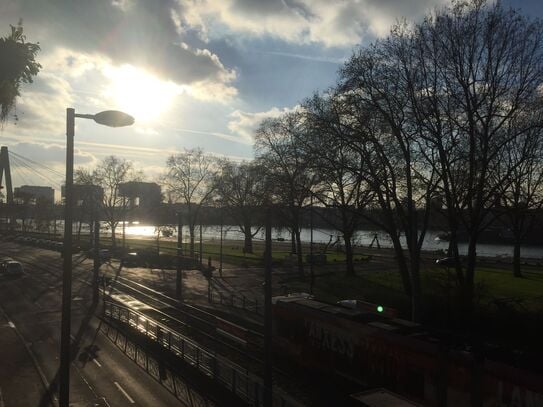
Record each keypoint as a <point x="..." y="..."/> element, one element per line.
<point x="446" y="262"/>
<point x="11" y="268"/>
<point x="131" y="259"/>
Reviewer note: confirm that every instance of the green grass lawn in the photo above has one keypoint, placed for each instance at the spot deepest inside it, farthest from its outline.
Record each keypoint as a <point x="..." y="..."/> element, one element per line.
<point x="232" y="251"/>
<point x="495" y="285"/>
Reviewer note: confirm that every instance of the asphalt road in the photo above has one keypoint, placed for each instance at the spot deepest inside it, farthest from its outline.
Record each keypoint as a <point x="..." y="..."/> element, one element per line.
<point x="30" y="317"/>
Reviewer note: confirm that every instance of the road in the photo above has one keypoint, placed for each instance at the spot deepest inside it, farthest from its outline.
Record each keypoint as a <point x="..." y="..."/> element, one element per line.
<point x="30" y="317"/>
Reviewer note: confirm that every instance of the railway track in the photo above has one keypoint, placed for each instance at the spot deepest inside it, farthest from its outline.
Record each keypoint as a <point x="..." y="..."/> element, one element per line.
<point x="210" y="332"/>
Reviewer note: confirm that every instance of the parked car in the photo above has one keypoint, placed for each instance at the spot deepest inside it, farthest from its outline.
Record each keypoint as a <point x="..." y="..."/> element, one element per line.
<point x="11" y="268"/>
<point x="131" y="259"/>
<point x="105" y="254"/>
<point x="446" y="262"/>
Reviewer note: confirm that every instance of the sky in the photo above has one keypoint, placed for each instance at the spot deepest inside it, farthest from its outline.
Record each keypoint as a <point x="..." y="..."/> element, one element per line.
<point x="193" y="73"/>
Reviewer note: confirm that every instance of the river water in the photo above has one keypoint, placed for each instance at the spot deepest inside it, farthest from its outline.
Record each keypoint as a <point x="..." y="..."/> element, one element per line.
<point x="362" y="237"/>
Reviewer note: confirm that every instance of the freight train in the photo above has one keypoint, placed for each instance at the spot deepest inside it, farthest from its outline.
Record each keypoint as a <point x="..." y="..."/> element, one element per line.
<point x="382" y="351"/>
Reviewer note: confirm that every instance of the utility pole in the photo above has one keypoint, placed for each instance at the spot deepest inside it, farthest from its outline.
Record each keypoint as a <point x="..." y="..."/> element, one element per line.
<point x="179" y="273"/>
<point x="96" y="261"/>
<point x="220" y="251"/>
<point x="97" y="194"/>
<point x="65" y="344"/>
<point x="268" y="383"/>
<point x="201" y="246"/>
<point x="124" y="224"/>
<point x="311" y="270"/>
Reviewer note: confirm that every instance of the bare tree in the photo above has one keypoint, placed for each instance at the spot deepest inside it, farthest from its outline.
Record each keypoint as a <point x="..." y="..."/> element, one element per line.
<point x="373" y="88"/>
<point x="241" y="191"/>
<point x="278" y="148"/>
<point x="341" y="185"/>
<point x="521" y="194"/>
<point x="109" y="174"/>
<point x="472" y="70"/>
<point x="189" y="180"/>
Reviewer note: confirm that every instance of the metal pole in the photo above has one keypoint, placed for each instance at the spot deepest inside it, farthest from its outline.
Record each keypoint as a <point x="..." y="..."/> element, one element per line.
<point x="124" y="224"/>
<point x="96" y="264"/>
<point x="220" y="252"/>
<point x="179" y="273"/>
<point x="64" y="370"/>
<point x="311" y="271"/>
<point x="268" y="384"/>
<point x="201" y="247"/>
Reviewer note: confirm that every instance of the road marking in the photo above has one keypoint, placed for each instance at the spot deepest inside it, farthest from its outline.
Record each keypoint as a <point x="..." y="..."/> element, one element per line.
<point x="97" y="363"/>
<point x="11" y="324"/>
<point x="130" y="399"/>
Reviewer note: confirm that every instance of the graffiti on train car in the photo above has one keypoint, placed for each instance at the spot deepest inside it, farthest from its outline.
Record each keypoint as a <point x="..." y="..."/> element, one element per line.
<point x="381" y="359"/>
<point x="331" y="339"/>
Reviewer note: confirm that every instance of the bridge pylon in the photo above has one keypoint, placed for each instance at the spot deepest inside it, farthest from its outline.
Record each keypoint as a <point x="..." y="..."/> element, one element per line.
<point x="5" y="172"/>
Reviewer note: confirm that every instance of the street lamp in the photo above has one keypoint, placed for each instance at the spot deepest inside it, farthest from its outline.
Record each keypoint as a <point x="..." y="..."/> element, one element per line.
<point x="111" y="118"/>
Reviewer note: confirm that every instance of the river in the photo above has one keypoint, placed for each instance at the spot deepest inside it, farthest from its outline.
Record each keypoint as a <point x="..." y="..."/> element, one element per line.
<point x="362" y="237"/>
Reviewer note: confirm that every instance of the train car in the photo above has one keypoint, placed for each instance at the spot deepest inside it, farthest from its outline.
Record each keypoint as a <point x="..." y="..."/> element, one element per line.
<point x="380" y="351"/>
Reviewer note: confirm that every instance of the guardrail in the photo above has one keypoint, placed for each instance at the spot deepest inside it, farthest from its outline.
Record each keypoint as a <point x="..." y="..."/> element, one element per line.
<point x="244" y="384"/>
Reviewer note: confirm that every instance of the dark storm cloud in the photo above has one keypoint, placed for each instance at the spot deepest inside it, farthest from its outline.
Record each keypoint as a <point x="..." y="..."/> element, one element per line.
<point x="138" y="32"/>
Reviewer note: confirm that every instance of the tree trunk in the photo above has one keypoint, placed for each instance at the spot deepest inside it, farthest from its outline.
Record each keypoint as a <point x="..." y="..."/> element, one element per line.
<point x="416" y="290"/>
<point x="516" y="259"/>
<point x="453" y="252"/>
<point x="113" y="237"/>
<point x="292" y="241"/>
<point x="349" y="254"/>
<point x="248" y="246"/>
<point x="191" y="233"/>
<point x="299" y="251"/>
<point x="517" y="232"/>
<point x="402" y="265"/>
<point x="79" y="226"/>
<point x="468" y="291"/>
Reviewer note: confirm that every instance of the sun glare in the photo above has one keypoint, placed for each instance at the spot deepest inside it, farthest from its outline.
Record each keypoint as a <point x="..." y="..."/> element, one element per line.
<point x="140" y="94"/>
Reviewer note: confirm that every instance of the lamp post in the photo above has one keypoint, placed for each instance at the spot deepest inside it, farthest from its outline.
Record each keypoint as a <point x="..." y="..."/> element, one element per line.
<point x="220" y="253"/>
<point x="179" y="270"/>
<point x="268" y="357"/>
<point x="111" y="118"/>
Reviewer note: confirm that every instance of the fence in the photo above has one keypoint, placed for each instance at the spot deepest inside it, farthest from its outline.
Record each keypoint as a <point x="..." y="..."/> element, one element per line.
<point x="236" y="301"/>
<point x="234" y="378"/>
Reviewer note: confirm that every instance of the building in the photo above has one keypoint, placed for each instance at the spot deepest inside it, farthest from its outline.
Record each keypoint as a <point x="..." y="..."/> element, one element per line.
<point x="33" y="194"/>
<point x="141" y="194"/>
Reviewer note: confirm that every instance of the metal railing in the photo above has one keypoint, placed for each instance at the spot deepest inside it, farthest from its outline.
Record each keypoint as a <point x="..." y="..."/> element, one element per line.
<point x="244" y="384"/>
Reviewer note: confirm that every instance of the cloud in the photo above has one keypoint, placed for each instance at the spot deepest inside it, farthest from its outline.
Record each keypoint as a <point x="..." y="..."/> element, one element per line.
<point x="332" y="23"/>
<point x="136" y="32"/>
<point x="244" y="124"/>
<point x="41" y="106"/>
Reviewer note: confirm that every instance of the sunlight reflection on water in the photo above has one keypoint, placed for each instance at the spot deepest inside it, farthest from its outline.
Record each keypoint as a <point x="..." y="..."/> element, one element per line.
<point x="362" y="237"/>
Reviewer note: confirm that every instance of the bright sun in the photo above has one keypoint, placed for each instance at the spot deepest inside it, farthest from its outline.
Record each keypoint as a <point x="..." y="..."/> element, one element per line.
<point x="140" y="94"/>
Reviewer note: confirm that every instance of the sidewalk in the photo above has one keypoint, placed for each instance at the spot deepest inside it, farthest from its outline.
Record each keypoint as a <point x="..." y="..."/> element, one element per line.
<point x="21" y="383"/>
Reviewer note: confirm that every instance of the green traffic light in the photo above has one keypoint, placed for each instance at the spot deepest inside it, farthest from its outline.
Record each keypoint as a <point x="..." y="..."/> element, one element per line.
<point x="380" y="308"/>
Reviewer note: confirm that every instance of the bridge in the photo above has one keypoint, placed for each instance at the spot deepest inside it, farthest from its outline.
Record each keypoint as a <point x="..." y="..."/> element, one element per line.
<point x="141" y="201"/>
